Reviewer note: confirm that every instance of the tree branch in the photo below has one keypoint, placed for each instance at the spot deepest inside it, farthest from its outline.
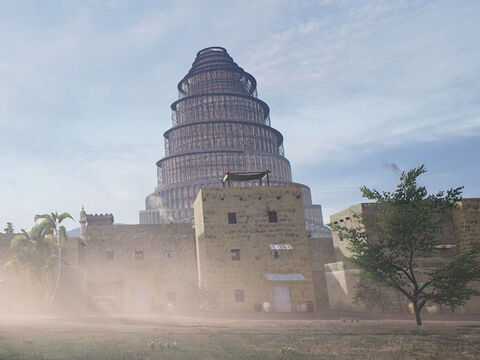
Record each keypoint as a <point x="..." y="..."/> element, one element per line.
<point x="421" y="304"/>
<point x="421" y="288"/>
<point x="404" y="292"/>
<point x="399" y="268"/>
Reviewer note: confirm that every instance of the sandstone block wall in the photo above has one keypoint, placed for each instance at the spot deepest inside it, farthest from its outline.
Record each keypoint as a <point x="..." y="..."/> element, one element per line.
<point x="140" y="268"/>
<point x="466" y="223"/>
<point x="252" y="235"/>
<point x="460" y="227"/>
<point x="322" y="251"/>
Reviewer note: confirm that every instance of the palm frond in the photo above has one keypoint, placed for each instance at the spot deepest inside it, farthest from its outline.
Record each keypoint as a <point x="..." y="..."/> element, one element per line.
<point x="26" y="234"/>
<point x="64" y="216"/>
<point x="20" y="242"/>
<point x="38" y="231"/>
<point x="11" y="262"/>
<point x="45" y="227"/>
<point x="41" y="216"/>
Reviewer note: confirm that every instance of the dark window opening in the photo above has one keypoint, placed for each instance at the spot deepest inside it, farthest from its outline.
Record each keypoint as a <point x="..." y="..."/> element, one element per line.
<point x="239" y="295"/>
<point x="235" y="254"/>
<point x="138" y="255"/>
<point x="109" y="255"/>
<point x="276" y="254"/>
<point x="232" y="218"/>
<point x="272" y="217"/>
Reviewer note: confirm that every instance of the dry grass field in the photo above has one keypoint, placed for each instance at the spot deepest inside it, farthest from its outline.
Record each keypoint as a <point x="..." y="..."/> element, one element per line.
<point x="193" y="338"/>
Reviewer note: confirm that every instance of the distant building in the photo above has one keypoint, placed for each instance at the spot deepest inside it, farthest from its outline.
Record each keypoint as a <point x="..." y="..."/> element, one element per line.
<point x="249" y="246"/>
<point x="218" y="125"/>
<point x="248" y="250"/>
<point x="138" y="268"/>
<point x="460" y="229"/>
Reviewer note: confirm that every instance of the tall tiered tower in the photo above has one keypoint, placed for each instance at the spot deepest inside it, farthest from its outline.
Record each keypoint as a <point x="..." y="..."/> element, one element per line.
<point x="218" y="125"/>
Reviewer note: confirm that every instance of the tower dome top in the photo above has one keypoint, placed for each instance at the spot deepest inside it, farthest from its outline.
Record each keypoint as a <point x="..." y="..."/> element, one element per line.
<point x="214" y="58"/>
<point x="211" y="49"/>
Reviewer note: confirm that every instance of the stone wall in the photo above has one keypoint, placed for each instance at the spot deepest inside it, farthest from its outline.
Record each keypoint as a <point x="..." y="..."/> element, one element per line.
<point x="235" y="259"/>
<point x="341" y="282"/>
<point x="342" y="285"/>
<point x="322" y="253"/>
<point x="344" y="218"/>
<point x="466" y="223"/>
<point x="460" y="227"/>
<point x="140" y="268"/>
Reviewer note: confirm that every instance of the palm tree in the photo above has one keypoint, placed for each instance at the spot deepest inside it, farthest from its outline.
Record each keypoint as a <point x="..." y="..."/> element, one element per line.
<point x="53" y="229"/>
<point x="32" y="252"/>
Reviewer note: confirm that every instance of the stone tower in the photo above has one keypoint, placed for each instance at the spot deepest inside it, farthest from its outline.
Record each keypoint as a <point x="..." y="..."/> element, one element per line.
<point x="83" y="224"/>
<point x="218" y="125"/>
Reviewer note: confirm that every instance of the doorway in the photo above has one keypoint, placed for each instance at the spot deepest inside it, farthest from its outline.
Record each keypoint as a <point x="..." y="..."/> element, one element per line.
<point x="281" y="299"/>
<point x="141" y="298"/>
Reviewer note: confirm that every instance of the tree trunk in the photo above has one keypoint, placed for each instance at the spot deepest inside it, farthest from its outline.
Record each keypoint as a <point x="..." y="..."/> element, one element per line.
<point x="58" y="274"/>
<point x="416" y="311"/>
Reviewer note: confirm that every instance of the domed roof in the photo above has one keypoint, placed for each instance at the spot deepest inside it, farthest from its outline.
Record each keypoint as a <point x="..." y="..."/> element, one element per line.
<point x="211" y="59"/>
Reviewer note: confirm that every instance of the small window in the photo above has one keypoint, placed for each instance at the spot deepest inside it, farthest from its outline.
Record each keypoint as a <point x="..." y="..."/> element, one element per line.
<point x="138" y="255"/>
<point x="276" y="254"/>
<point x="168" y="254"/>
<point x="232" y="218"/>
<point x="272" y="217"/>
<point x="235" y="254"/>
<point x="239" y="295"/>
<point x="109" y="255"/>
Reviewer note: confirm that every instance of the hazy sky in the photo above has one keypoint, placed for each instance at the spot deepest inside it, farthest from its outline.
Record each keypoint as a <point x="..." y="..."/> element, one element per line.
<point x="86" y="88"/>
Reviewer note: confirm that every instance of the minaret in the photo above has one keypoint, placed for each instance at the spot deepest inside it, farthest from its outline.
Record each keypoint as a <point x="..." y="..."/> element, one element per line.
<point x="83" y="224"/>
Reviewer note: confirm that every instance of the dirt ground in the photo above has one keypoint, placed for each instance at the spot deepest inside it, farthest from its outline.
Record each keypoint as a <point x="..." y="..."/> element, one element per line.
<point x="152" y="338"/>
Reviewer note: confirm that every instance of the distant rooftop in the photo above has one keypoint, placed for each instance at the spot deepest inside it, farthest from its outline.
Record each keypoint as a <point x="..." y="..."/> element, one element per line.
<point x="246" y="176"/>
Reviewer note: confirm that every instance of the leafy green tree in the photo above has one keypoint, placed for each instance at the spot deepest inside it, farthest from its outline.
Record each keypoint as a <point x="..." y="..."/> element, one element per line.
<point x="53" y="230"/>
<point x="36" y="251"/>
<point x="32" y="252"/>
<point x="371" y="296"/>
<point x="9" y="228"/>
<point x="386" y="248"/>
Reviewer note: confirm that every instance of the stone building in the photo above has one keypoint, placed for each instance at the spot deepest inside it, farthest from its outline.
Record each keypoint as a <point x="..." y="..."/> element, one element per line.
<point x="466" y="222"/>
<point x="137" y="268"/>
<point x="460" y="228"/>
<point x="253" y="248"/>
<point x="249" y="245"/>
<point x="218" y="125"/>
<point x="248" y="249"/>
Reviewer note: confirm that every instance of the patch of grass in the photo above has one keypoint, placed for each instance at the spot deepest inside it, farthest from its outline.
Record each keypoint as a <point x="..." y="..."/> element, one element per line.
<point x="245" y="339"/>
